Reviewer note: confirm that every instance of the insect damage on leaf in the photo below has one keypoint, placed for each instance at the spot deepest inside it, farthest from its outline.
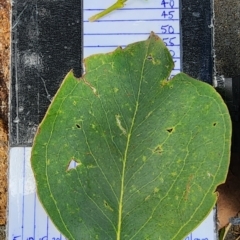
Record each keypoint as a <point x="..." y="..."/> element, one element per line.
<point x="73" y="164"/>
<point x="119" y="124"/>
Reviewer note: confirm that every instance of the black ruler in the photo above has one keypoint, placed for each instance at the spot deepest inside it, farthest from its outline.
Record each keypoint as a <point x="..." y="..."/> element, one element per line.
<point x="46" y="44"/>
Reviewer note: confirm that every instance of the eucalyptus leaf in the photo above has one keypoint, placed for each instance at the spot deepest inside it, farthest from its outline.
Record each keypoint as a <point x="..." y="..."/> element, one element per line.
<point x="123" y="153"/>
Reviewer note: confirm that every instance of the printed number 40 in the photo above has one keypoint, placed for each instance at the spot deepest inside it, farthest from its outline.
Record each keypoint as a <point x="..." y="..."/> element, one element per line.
<point x="170" y="3"/>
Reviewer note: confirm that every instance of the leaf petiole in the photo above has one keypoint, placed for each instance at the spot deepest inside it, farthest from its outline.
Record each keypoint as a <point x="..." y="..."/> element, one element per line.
<point x="115" y="6"/>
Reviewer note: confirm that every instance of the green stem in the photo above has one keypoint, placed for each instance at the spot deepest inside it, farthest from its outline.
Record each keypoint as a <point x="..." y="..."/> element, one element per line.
<point x="115" y="6"/>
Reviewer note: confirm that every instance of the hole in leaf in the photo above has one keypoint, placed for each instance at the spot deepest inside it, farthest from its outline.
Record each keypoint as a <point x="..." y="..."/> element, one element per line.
<point x="72" y="165"/>
<point x="170" y="130"/>
<point x="150" y="58"/>
<point x="78" y="126"/>
<point x="214" y="124"/>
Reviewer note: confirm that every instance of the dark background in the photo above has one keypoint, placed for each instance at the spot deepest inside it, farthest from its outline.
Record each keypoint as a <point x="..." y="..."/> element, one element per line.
<point x="197" y="39"/>
<point x="227" y="62"/>
<point x="227" y="37"/>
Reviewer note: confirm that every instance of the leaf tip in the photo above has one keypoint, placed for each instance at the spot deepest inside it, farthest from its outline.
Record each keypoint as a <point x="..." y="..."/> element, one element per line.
<point x="154" y="36"/>
<point x="93" y="18"/>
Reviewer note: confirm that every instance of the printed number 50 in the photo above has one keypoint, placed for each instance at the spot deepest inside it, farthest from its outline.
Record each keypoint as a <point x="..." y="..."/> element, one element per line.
<point x="167" y="29"/>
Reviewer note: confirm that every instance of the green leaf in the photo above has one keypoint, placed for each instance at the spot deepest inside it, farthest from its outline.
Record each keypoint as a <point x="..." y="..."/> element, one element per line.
<point x="148" y="152"/>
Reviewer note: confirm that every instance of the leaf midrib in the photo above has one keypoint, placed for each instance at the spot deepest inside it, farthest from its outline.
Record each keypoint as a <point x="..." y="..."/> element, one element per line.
<point x="118" y="237"/>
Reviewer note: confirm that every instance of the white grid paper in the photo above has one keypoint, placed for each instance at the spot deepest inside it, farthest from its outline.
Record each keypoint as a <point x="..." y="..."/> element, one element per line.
<point x="27" y="219"/>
